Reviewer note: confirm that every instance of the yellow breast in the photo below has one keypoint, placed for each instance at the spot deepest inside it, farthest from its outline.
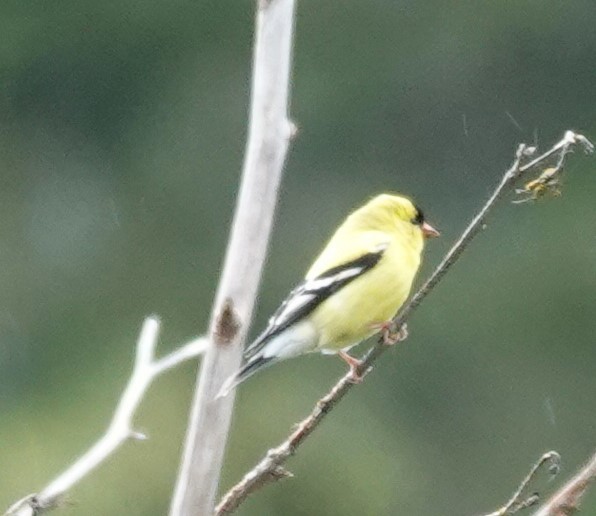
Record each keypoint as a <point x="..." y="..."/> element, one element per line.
<point x="355" y="312"/>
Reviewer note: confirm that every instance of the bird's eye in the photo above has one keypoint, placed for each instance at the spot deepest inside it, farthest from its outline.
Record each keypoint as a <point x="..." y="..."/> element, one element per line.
<point x="418" y="220"/>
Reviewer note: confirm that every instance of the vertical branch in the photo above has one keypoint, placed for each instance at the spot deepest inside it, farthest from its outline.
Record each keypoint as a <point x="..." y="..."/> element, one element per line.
<point x="268" y="139"/>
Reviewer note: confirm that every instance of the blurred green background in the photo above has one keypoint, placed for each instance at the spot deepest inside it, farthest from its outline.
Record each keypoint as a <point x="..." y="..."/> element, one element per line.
<point x="122" y="131"/>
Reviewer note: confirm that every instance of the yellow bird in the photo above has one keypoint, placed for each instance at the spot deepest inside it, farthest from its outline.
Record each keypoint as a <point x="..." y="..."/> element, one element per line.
<point x="356" y="285"/>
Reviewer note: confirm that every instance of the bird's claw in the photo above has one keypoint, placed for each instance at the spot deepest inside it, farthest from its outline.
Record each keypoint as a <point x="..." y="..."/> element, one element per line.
<point x="392" y="335"/>
<point x="355" y="376"/>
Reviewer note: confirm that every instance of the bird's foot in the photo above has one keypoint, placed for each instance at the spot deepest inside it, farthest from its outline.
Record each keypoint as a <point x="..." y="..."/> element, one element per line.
<point x="391" y="334"/>
<point x="354" y="364"/>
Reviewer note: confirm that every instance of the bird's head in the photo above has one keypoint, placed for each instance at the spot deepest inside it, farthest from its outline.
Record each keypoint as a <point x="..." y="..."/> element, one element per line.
<point x="396" y="209"/>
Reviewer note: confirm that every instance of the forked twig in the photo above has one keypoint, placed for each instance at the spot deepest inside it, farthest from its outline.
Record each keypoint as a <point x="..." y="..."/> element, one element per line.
<point x="567" y="499"/>
<point x="146" y="369"/>
<point x="517" y="501"/>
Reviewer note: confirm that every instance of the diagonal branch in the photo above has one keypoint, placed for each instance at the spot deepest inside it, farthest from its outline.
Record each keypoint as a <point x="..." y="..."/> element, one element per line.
<point x="262" y="473"/>
<point x="146" y="369"/>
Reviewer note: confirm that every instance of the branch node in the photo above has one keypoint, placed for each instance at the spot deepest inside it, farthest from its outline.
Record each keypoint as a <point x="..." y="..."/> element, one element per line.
<point x="523" y="150"/>
<point x="138" y="436"/>
<point x="323" y="406"/>
<point x="555" y="462"/>
<point x="585" y="143"/>
<point x="33" y="505"/>
<point x="279" y="473"/>
<point x="26" y="506"/>
<point x="293" y="130"/>
<point x="227" y="323"/>
<point x="530" y="501"/>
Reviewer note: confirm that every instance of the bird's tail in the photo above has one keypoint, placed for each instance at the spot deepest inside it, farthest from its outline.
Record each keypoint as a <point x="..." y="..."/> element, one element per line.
<point x="254" y="364"/>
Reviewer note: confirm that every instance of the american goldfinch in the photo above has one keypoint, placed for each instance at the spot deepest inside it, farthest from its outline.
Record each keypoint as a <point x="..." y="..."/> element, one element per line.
<point x="352" y="290"/>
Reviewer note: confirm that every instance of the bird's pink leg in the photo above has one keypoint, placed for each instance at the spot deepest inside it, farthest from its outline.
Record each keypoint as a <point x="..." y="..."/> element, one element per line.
<point x="354" y="364"/>
<point x="391" y="335"/>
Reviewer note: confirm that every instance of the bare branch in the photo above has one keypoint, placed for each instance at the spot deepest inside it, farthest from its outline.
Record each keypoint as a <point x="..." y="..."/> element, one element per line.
<point x="191" y="349"/>
<point x="567" y="499"/>
<point x="269" y="134"/>
<point x="518" y="502"/>
<point x="276" y="457"/>
<point x="145" y="370"/>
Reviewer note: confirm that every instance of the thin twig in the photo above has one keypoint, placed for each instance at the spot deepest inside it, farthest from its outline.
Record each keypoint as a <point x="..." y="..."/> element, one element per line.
<point x="261" y="473"/>
<point x="146" y="369"/>
<point x="270" y="132"/>
<point x="567" y="499"/>
<point x="517" y="501"/>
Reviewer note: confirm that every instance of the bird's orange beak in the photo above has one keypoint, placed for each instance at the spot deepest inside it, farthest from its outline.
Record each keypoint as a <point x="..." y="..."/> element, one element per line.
<point x="428" y="231"/>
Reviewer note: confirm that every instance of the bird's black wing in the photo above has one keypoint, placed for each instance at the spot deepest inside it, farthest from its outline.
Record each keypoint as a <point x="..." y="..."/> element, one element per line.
<point x="311" y="293"/>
